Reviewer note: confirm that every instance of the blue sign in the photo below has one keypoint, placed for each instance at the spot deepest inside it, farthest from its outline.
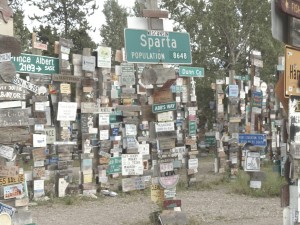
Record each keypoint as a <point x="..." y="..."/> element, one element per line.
<point x="255" y="139"/>
<point x="115" y="131"/>
<point x="257" y="99"/>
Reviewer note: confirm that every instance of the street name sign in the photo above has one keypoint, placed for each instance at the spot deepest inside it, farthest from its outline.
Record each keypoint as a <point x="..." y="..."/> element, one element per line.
<point x="28" y="63"/>
<point x="154" y="46"/>
<point x="170" y="106"/>
<point x="185" y="71"/>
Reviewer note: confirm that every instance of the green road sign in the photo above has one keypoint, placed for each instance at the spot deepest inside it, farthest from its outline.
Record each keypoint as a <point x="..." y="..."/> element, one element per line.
<point x="210" y="140"/>
<point x="27" y="63"/>
<point x="164" y="107"/>
<point x="154" y="46"/>
<point x="185" y="71"/>
<point x="192" y="128"/>
<point x="115" y="165"/>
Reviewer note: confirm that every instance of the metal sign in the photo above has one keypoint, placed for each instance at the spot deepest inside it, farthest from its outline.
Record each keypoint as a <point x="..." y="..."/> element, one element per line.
<point x="27" y="63"/>
<point x="255" y="139"/>
<point x="154" y="46"/>
<point x="291" y="77"/>
<point x="185" y="71"/>
<point x="170" y="106"/>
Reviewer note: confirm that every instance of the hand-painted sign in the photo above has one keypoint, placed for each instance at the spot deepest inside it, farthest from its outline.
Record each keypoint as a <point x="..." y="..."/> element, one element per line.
<point x="25" y="84"/>
<point x="67" y="111"/>
<point x="114" y="165"/>
<point x="27" y="63"/>
<point x="164" y="126"/>
<point x="9" y="171"/>
<point x="132" y="164"/>
<point x="11" y="180"/>
<point x="255" y="139"/>
<point x="154" y="46"/>
<point x="14" y="117"/>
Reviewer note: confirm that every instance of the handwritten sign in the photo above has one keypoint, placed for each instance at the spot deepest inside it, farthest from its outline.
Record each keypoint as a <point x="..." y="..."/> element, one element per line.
<point x="104" y="57"/>
<point x="6" y="152"/>
<point x="38" y="154"/>
<point x="157" y="193"/>
<point x="193" y="164"/>
<point x="166" y="126"/>
<point x="130" y="129"/>
<point x="67" y="111"/>
<point x="103" y="119"/>
<point x="132" y="164"/>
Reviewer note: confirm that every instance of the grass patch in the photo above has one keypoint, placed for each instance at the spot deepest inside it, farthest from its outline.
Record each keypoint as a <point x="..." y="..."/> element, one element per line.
<point x="271" y="186"/>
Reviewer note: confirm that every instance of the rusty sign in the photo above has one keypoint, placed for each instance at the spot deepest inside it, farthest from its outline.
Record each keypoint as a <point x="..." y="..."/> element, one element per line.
<point x="292" y="71"/>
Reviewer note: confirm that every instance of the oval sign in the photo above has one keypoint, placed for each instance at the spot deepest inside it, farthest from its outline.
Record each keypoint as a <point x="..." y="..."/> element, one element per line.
<point x="169" y="181"/>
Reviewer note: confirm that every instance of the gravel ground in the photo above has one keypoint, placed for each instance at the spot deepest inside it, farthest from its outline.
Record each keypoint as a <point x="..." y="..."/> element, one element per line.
<point x="213" y="206"/>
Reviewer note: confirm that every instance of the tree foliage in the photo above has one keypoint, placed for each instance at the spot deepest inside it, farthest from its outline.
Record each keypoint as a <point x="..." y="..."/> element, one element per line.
<point x="223" y="34"/>
<point x="21" y="32"/>
<point x="112" y="32"/>
<point x="66" y="16"/>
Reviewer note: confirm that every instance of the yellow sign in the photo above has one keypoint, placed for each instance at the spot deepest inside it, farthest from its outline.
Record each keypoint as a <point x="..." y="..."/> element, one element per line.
<point x="292" y="71"/>
<point x="11" y="180"/>
<point x="157" y="194"/>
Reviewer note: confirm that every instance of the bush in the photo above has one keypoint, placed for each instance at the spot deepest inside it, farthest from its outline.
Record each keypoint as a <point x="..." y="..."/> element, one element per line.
<point x="271" y="186"/>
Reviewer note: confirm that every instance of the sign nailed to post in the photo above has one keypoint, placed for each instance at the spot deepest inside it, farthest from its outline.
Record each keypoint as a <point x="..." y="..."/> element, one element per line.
<point x="185" y="71"/>
<point x="153" y="46"/>
<point x="27" y="63"/>
<point x="255" y="139"/>
<point x="291" y="78"/>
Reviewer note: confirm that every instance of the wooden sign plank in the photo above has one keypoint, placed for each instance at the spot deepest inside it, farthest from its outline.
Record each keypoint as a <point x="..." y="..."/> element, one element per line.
<point x="132" y="108"/>
<point x="12" y="92"/>
<point x="9" y="171"/>
<point x="163" y="96"/>
<point x="7" y="71"/>
<point x="155" y="13"/>
<point x="25" y="84"/>
<point x="12" y="180"/>
<point x="10" y="44"/>
<point x="13" y="117"/>
<point x="66" y="78"/>
<point x="167" y="144"/>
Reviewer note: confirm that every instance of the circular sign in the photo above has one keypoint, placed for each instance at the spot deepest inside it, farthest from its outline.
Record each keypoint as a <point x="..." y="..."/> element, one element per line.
<point x="5" y="219"/>
<point x="263" y="86"/>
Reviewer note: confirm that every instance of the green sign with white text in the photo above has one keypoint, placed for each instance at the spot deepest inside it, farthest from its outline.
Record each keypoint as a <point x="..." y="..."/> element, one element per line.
<point x="28" y="63"/>
<point x="164" y="107"/>
<point x="185" y="71"/>
<point x="192" y="128"/>
<point x="155" y="46"/>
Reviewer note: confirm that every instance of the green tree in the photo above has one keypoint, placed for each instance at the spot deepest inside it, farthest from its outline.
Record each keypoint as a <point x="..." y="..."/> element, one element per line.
<point x="21" y="32"/>
<point x="47" y="35"/>
<point x="112" y="32"/>
<point x="65" y="15"/>
<point x="223" y="33"/>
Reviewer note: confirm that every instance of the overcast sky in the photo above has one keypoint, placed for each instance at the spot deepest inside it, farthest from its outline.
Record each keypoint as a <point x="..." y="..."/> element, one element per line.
<point x="96" y="20"/>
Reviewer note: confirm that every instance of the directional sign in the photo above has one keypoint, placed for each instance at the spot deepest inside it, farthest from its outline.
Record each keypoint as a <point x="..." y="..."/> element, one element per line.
<point x="27" y="63"/>
<point x="255" y="139"/>
<point x="185" y="71"/>
<point x="153" y="46"/>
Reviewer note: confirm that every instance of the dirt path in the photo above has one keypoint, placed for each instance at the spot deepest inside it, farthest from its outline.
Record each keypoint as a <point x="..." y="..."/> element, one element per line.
<point x="214" y="206"/>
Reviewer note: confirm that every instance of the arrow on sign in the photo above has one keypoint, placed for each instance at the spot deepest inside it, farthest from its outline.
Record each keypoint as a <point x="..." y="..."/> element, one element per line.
<point x="39" y="69"/>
